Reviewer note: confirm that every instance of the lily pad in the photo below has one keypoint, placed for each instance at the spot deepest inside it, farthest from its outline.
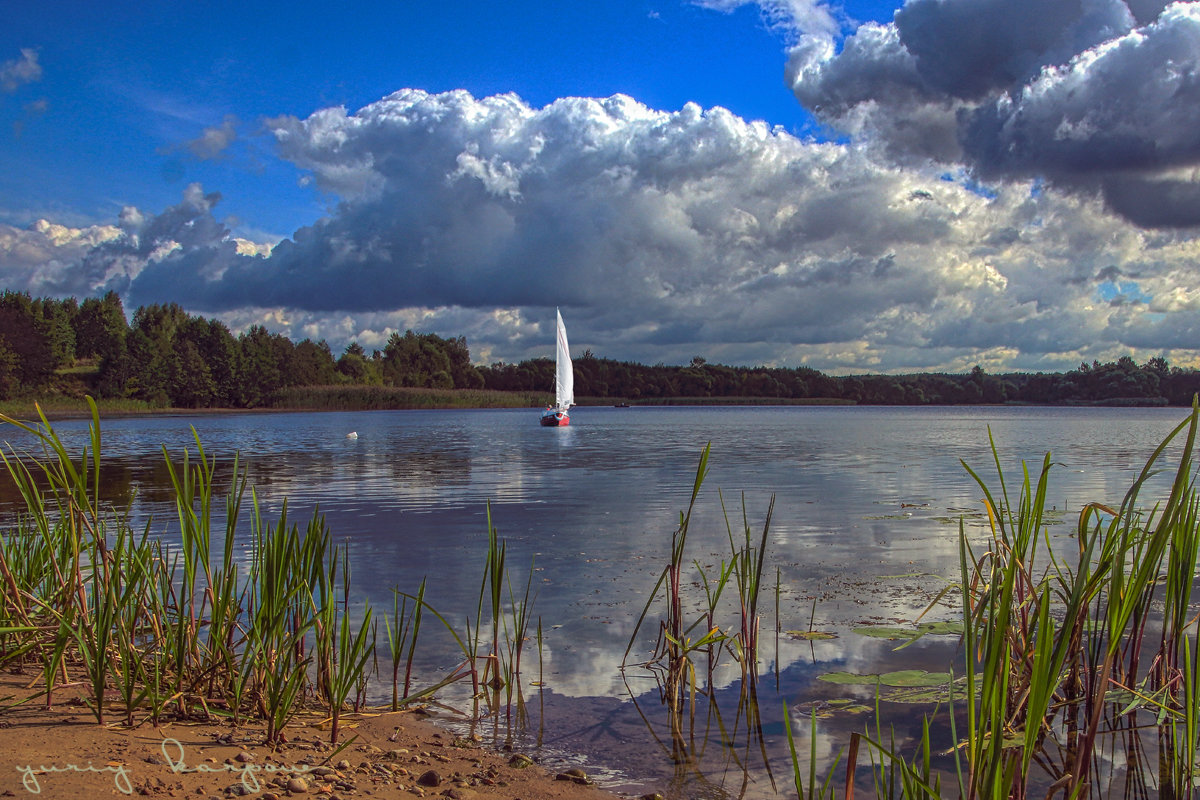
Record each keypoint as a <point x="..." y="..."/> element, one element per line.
<point x="950" y="628"/>
<point x="883" y="632"/>
<point x="902" y="678"/>
<point x="914" y="677"/>
<point x="849" y="678"/>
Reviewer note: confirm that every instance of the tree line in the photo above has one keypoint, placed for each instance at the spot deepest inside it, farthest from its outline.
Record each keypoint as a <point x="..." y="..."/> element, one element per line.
<point x="166" y="357"/>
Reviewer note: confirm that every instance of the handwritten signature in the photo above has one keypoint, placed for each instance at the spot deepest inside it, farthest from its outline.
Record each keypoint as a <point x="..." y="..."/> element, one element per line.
<point x="29" y="775"/>
<point x="174" y="753"/>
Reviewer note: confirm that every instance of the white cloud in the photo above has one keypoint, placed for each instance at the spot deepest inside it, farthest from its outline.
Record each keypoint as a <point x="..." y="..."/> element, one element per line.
<point x="662" y="235"/>
<point x="19" y="71"/>
<point x="793" y="17"/>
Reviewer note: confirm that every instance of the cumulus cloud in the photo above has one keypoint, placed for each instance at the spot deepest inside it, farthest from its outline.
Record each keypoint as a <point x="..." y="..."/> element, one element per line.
<point x="1094" y="95"/>
<point x="19" y="71"/>
<point x="662" y="235"/>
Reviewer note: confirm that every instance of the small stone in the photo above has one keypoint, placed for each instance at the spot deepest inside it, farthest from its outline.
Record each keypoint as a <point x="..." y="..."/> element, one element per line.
<point x="520" y="761"/>
<point x="343" y="764"/>
<point x="429" y="777"/>
<point x="297" y="785"/>
<point x="652" y="796"/>
<point x="244" y="757"/>
<point x="575" y="775"/>
<point x="459" y="794"/>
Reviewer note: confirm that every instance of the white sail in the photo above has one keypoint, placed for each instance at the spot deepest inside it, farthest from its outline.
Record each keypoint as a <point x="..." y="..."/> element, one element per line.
<point x="564" y="375"/>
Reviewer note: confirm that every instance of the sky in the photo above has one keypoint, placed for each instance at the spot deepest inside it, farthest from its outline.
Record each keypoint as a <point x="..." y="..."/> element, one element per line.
<point x="867" y="187"/>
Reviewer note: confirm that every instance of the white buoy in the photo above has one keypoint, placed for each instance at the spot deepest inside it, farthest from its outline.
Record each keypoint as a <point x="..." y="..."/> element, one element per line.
<point x="352" y="435"/>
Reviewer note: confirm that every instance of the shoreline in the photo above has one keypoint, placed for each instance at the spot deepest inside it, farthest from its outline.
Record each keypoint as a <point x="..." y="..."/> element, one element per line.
<point x="62" y="751"/>
<point x="28" y="413"/>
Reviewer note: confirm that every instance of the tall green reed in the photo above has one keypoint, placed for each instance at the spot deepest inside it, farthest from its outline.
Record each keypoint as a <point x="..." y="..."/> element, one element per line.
<point x="176" y="618"/>
<point x="748" y="562"/>
<point x="1073" y="660"/>
<point x="402" y="631"/>
<point x="341" y="653"/>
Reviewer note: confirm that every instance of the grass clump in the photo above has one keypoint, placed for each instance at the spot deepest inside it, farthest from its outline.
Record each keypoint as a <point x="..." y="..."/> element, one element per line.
<point x="162" y="625"/>
<point x="1080" y="667"/>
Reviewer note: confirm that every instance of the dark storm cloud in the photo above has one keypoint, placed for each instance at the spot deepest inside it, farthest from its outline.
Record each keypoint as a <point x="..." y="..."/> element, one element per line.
<point x="1099" y="96"/>
<point x="662" y="235"/>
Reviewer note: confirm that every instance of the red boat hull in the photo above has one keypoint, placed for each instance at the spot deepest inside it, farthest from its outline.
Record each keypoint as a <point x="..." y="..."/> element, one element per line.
<point x="555" y="419"/>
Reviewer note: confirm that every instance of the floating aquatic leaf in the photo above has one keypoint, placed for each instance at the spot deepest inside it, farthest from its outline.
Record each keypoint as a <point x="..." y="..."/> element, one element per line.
<point x="849" y="678"/>
<point x="948" y="628"/>
<point x="882" y="632"/>
<point x="811" y="635"/>
<point x="921" y="695"/>
<point x="914" y="677"/>
<point x="902" y="678"/>
<point x="826" y="709"/>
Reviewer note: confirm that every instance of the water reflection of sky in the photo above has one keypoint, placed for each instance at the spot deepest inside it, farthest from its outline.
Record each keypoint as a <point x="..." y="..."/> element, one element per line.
<point x="865" y="529"/>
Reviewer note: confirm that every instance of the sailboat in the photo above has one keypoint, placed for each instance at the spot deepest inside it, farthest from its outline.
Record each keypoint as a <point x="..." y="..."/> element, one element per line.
<point x="564" y="381"/>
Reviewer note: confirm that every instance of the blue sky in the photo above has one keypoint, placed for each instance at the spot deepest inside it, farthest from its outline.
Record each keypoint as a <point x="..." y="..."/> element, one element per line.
<point x="127" y="85"/>
<point x="858" y="187"/>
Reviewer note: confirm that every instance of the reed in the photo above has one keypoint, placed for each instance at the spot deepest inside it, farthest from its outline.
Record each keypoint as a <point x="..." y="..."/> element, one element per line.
<point x="1073" y="660"/>
<point x="493" y="586"/>
<point x="680" y="642"/>
<point x="401" y="630"/>
<point x="163" y="621"/>
<point x="747" y="563"/>
<point x="672" y="631"/>
<point x="516" y="628"/>
<point x="341" y="653"/>
<point x="510" y="624"/>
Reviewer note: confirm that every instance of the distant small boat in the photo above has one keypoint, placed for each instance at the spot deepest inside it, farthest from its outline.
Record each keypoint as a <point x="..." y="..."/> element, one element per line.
<point x="352" y="435"/>
<point x="564" y="380"/>
<point x="620" y="405"/>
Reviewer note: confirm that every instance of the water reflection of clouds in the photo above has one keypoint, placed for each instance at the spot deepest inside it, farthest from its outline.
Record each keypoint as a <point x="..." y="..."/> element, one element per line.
<point x="866" y="516"/>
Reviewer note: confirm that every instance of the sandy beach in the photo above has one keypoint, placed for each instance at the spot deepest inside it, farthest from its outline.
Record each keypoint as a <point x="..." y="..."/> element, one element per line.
<point x="61" y="752"/>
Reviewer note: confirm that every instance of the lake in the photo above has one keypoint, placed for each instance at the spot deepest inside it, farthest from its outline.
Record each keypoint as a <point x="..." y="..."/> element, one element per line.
<point x="865" y="531"/>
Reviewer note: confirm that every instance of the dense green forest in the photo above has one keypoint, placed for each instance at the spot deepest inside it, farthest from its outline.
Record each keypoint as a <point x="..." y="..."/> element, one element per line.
<point x="165" y="357"/>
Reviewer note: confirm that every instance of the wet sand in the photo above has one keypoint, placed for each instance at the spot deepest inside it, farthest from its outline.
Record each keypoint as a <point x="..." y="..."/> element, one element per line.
<point x="62" y="752"/>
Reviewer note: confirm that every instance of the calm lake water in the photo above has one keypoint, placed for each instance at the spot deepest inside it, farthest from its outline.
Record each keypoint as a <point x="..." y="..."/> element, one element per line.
<point x="865" y="531"/>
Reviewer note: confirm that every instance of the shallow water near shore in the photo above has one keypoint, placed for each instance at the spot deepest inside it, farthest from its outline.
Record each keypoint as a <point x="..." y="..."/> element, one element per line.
<point x="868" y="503"/>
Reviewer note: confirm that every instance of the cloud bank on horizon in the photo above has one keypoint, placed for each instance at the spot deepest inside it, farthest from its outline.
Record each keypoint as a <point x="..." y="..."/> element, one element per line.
<point x="1021" y="195"/>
